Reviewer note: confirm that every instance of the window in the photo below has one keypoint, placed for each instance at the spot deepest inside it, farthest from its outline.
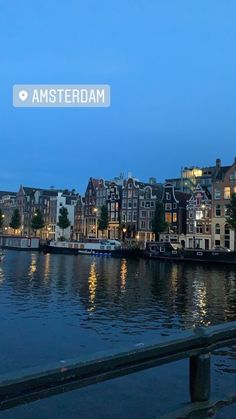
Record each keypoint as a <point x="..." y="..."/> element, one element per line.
<point x="168" y="217"/>
<point x="207" y="228"/>
<point x="129" y="194"/>
<point x="143" y="214"/>
<point x="217" y="229"/>
<point x="134" y="215"/>
<point x="207" y="213"/>
<point x="227" y="236"/>
<point x="135" y="203"/>
<point x="218" y="210"/>
<point x="142" y="224"/>
<point x="174" y="206"/>
<point x="129" y="216"/>
<point x="217" y="194"/>
<point x="190" y="214"/>
<point x="124" y="204"/>
<point x="152" y="203"/>
<point x="130" y="185"/>
<point x="199" y="228"/>
<point x="199" y="215"/>
<point x="168" y="196"/>
<point x="227" y="192"/>
<point x="190" y="228"/>
<point x="129" y="203"/>
<point x="124" y="194"/>
<point x="168" y="206"/>
<point x="174" y="217"/>
<point x="234" y="189"/>
<point x="147" y="204"/>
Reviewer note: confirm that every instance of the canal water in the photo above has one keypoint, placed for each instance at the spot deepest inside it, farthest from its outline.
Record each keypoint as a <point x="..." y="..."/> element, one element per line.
<point x="56" y="307"/>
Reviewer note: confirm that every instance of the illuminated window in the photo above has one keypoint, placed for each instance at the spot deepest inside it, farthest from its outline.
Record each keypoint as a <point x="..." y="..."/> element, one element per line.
<point x="174" y="217"/>
<point x="168" y="217"/>
<point x="227" y="192"/>
<point x="199" y="215"/>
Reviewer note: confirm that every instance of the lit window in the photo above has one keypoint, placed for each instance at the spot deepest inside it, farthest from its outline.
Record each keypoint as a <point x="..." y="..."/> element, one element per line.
<point x="168" y="217"/>
<point x="174" y="217"/>
<point x="199" y="215"/>
<point x="227" y="192"/>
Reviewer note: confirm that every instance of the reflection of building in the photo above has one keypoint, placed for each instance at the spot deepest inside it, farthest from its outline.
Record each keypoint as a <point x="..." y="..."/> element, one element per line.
<point x="224" y="185"/>
<point x="199" y="219"/>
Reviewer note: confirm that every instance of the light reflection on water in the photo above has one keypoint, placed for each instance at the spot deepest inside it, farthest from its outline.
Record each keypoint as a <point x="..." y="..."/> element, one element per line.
<point x="56" y="306"/>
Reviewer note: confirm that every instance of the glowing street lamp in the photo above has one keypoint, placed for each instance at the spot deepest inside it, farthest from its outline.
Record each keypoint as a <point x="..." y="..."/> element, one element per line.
<point x="95" y="210"/>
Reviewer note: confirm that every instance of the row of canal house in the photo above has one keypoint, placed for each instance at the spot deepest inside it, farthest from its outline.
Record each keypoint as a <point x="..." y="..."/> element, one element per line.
<point x="131" y="206"/>
<point x="206" y="225"/>
<point x="195" y="211"/>
<point x="49" y="201"/>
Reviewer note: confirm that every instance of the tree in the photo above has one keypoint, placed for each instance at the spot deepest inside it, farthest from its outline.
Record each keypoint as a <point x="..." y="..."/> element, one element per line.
<point x="37" y="222"/>
<point x="159" y="225"/>
<point x="1" y="218"/>
<point x="15" y="220"/>
<point x="103" y="220"/>
<point x="63" y="220"/>
<point x="231" y="216"/>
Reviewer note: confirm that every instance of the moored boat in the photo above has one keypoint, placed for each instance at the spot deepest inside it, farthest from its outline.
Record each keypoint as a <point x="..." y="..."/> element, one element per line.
<point x="90" y="247"/>
<point x="174" y="251"/>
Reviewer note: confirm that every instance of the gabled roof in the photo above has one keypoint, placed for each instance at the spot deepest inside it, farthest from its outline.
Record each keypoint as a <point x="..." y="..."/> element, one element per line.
<point x="220" y="174"/>
<point x="6" y="193"/>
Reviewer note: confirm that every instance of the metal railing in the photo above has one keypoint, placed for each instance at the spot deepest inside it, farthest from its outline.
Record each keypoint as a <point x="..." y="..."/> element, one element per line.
<point x="197" y="345"/>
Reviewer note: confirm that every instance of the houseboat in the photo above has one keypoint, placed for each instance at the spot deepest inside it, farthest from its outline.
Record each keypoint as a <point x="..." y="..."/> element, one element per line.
<point x="88" y="247"/>
<point x="92" y="247"/>
<point x="19" y="243"/>
<point x="174" y="251"/>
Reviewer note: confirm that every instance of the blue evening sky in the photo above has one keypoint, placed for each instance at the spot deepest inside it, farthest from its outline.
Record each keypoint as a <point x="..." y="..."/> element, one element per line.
<point x="171" y="65"/>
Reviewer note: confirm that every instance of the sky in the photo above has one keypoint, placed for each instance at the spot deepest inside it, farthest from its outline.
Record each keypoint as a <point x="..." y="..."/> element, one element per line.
<point x="171" y="65"/>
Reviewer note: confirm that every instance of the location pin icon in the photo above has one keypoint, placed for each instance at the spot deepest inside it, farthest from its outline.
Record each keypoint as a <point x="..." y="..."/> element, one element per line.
<point x="23" y="94"/>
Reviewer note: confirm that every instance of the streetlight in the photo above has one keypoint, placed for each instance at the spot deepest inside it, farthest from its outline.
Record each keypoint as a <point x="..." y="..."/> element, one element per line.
<point x="124" y="231"/>
<point x="95" y="210"/>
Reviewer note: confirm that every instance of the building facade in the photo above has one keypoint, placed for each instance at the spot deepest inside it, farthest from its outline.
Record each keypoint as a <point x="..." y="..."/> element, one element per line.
<point x="224" y="185"/>
<point x="199" y="219"/>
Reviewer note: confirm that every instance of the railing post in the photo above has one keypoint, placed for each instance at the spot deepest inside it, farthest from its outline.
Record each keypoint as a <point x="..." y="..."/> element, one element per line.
<point x="200" y="377"/>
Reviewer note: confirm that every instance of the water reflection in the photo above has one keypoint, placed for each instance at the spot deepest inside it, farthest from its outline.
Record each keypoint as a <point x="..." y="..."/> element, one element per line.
<point x="123" y="273"/>
<point x="92" y="281"/>
<point x="70" y="302"/>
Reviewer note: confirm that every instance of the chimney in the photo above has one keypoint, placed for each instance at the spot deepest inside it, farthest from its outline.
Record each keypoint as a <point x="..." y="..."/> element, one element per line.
<point x="218" y="163"/>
